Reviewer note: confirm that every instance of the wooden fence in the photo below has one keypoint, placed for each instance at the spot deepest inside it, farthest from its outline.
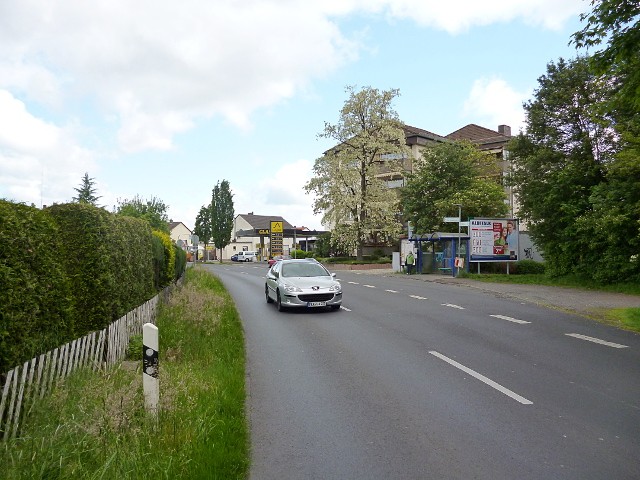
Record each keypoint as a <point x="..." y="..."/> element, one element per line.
<point x="97" y="350"/>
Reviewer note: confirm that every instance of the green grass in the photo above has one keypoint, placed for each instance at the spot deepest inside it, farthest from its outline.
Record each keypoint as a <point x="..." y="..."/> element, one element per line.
<point x="94" y="426"/>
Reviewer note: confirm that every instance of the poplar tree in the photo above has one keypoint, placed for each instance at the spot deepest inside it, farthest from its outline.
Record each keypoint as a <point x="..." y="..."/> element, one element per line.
<point x="222" y="214"/>
<point x="203" y="225"/>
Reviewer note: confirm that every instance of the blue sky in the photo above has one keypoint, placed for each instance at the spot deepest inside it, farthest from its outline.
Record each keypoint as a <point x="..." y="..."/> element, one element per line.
<point x="165" y="99"/>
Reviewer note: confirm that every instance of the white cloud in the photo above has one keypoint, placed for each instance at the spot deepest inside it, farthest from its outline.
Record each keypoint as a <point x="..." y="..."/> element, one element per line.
<point x="39" y="161"/>
<point x="160" y="65"/>
<point x="493" y="102"/>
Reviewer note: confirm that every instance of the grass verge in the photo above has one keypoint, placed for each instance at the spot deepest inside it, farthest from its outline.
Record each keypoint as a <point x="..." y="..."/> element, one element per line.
<point x="94" y="426"/>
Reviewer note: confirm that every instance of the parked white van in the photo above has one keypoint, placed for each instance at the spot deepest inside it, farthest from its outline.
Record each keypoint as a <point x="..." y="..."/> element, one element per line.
<point x="246" y="256"/>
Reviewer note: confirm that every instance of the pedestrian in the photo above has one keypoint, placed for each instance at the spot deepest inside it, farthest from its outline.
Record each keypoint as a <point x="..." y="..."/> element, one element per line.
<point x="410" y="260"/>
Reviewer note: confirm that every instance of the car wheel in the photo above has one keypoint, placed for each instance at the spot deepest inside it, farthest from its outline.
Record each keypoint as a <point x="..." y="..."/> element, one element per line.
<point x="335" y="307"/>
<point x="279" y="302"/>
<point x="266" y="293"/>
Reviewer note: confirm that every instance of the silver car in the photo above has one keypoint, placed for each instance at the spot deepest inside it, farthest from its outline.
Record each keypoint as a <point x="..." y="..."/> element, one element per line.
<point x="302" y="283"/>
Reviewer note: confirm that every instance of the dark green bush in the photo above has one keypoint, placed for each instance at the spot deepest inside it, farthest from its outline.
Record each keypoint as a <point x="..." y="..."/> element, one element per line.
<point x="35" y="293"/>
<point x="71" y="269"/>
<point x="524" y="267"/>
<point x="88" y="240"/>
<point x="181" y="261"/>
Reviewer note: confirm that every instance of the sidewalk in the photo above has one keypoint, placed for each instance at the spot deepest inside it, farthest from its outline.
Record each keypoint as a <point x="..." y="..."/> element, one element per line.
<point x="588" y="303"/>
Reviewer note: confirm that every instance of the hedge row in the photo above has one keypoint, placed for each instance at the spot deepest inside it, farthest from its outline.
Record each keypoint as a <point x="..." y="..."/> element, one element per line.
<point x="72" y="269"/>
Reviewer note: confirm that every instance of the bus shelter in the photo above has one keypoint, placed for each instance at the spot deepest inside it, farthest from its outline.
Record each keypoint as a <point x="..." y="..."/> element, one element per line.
<point x="437" y="252"/>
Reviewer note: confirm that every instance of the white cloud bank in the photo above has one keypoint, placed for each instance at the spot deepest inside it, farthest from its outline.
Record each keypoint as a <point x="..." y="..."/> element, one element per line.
<point x="159" y="66"/>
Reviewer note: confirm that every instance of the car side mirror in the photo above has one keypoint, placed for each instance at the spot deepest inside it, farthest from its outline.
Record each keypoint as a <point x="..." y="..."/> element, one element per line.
<point x="333" y="275"/>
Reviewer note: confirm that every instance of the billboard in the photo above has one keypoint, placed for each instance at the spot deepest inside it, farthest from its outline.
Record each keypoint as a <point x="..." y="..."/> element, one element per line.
<point x="494" y="239"/>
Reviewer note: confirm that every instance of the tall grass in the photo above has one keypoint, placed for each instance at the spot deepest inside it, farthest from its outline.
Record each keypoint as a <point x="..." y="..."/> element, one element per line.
<point x="94" y="425"/>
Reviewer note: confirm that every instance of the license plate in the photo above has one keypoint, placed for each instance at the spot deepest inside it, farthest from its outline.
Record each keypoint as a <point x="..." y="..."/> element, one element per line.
<point x="316" y="304"/>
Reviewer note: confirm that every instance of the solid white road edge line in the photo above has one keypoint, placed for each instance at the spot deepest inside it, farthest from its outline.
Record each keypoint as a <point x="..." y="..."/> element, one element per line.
<point x="509" y="319"/>
<point x="482" y="378"/>
<point x="596" y="340"/>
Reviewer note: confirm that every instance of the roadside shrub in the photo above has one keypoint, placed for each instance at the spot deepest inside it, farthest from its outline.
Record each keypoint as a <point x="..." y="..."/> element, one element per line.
<point x="301" y="254"/>
<point x="134" y="349"/>
<point x="86" y="234"/>
<point x="35" y="292"/>
<point x="167" y="273"/>
<point x="524" y="267"/>
<point x="180" y="262"/>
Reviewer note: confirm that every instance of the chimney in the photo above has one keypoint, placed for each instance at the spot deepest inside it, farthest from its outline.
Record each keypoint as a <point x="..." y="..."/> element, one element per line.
<point x="504" y="130"/>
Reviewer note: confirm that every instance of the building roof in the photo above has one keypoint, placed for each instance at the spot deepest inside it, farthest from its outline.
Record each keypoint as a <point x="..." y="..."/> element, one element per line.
<point x="263" y="221"/>
<point x="173" y="225"/>
<point x="410" y="132"/>
<point x="479" y="135"/>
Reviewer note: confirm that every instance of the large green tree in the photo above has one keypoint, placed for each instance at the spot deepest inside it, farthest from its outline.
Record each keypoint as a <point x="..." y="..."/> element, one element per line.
<point x="613" y="30"/>
<point x="222" y="214"/>
<point x="448" y="174"/>
<point x="153" y="210"/>
<point x="615" y="24"/>
<point x="350" y="180"/>
<point x="577" y="193"/>
<point x="86" y="191"/>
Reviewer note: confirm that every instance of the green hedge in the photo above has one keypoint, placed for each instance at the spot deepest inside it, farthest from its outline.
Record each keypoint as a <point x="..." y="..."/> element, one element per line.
<point x="35" y="292"/>
<point x="71" y="269"/>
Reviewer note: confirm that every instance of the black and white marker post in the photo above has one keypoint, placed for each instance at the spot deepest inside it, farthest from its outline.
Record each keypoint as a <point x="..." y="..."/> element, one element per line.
<point x="150" y="373"/>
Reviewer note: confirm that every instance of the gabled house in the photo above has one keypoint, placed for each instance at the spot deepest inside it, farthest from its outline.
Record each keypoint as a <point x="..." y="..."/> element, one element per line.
<point x="252" y="233"/>
<point x="179" y="231"/>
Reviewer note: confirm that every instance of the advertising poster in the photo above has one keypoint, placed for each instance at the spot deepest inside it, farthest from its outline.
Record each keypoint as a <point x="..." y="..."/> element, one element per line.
<point x="494" y="239"/>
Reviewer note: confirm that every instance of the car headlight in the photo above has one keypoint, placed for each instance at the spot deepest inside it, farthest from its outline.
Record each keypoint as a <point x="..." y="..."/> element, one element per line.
<point x="335" y="288"/>
<point x="291" y="289"/>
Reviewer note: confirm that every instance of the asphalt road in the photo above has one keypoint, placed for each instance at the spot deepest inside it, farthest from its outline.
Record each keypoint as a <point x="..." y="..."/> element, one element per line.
<point x="414" y="380"/>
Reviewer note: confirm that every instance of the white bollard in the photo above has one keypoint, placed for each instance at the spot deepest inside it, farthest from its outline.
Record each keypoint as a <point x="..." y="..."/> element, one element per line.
<point x="150" y="373"/>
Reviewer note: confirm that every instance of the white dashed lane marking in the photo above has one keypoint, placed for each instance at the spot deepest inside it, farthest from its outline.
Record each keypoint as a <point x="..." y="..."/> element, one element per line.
<point x="509" y="319"/>
<point x="596" y="340"/>
<point x="391" y="291"/>
<point x="418" y="297"/>
<point x="452" y="306"/>
<point x="369" y="286"/>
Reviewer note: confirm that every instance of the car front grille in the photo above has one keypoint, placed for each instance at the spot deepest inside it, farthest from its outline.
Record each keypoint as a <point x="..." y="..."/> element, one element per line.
<point x="319" y="297"/>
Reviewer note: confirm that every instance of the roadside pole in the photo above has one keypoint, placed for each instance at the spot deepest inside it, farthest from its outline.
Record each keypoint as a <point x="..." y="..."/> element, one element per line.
<point x="150" y="373"/>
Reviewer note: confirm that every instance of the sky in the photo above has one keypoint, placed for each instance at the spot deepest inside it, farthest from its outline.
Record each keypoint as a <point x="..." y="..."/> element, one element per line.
<point x="164" y="99"/>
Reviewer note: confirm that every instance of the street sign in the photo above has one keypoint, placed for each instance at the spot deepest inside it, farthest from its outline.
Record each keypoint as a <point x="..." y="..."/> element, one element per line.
<point x="452" y="219"/>
<point x="195" y="240"/>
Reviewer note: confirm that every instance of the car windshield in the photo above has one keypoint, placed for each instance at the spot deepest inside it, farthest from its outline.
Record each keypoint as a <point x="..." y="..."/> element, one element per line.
<point x="303" y="270"/>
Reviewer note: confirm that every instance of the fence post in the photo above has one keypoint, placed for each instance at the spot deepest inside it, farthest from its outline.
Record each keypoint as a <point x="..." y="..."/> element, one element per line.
<point x="150" y="372"/>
